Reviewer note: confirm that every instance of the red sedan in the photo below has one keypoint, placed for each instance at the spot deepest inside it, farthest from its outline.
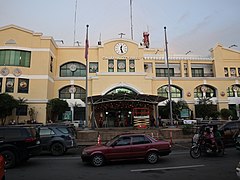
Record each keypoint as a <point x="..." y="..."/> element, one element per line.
<point x="2" y="169"/>
<point x="125" y="147"/>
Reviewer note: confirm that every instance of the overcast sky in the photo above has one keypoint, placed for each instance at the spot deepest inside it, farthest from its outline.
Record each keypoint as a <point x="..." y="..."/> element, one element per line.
<point x="192" y="25"/>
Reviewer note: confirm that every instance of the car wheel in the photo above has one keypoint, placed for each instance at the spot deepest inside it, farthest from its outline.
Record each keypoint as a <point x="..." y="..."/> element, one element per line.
<point x="10" y="158"/>
<point x="97" y="160"/>
<point x="152" y="157"/>
<point x="57" y="149"/>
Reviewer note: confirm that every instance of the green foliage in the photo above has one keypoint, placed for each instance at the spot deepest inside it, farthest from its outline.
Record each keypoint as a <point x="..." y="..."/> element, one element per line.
<point x="187" y="129"/>
<point x="205" y="109"/>
<point x="226" y="113"/>
<point x="176" y="109"/>
<point x="7" y="104"/>
<point x="56" y="107"/>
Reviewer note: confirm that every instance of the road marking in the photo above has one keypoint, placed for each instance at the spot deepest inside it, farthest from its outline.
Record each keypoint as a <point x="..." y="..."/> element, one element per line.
<point x="167" y="168"/>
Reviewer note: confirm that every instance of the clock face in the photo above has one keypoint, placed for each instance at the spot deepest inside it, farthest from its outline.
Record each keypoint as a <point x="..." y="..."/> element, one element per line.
<point x="121" y="48"/>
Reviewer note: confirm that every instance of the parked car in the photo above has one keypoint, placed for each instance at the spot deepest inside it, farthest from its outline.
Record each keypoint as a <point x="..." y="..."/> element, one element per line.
<point x="57" y="138"/>
<point x="18" y="144"/>
<point x="126" y="147"/>
<point x="229" y="132"/>
<point x="238" y="169"/>
<point x="2" y="168"/>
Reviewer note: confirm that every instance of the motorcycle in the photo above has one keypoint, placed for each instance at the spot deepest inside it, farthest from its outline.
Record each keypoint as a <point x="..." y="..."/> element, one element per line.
<point x="203" y="146"/>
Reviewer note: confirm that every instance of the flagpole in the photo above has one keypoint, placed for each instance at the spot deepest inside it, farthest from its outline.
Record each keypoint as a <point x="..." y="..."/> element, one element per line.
<point x="86" y="57"/>
<point x="169" y="83"/>
<point x="131" y="19"/>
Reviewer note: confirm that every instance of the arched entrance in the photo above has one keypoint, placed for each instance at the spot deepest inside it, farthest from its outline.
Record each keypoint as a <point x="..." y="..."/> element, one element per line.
<point x="115" y="108"/>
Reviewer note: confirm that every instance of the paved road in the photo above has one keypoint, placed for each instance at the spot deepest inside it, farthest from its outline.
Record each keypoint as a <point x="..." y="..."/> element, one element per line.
<point x="178" y="165"/>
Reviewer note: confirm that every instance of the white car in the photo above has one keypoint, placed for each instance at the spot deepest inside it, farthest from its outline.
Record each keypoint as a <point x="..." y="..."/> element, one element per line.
<point x="238" y="170"/>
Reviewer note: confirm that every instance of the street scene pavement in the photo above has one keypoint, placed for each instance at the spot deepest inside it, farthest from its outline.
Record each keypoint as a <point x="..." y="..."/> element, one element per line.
<point x="178" y="165"/>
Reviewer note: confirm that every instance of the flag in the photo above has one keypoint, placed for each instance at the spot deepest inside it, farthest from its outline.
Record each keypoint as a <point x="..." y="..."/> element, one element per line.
<point x="86" y="44"/>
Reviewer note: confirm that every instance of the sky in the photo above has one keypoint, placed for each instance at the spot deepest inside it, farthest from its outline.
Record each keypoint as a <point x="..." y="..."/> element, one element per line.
<point x="192" y="25"/>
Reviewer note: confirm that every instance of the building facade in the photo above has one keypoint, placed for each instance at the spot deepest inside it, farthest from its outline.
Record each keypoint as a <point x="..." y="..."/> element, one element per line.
<point x="122" y="75"/>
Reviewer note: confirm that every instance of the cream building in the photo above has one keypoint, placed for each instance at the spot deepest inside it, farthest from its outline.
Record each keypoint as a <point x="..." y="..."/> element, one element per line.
<point x="122" y="75"/>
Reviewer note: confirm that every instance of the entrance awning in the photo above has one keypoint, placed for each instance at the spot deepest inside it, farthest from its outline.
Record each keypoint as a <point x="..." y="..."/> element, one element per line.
<point x="126" y="97"/>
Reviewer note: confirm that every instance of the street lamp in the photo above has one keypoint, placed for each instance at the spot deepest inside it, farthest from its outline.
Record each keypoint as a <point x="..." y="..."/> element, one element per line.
<point x="106" y="118"/>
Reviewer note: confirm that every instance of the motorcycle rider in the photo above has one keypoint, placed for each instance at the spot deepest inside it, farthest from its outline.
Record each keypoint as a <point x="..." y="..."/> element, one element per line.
<point x="209" y="138"/>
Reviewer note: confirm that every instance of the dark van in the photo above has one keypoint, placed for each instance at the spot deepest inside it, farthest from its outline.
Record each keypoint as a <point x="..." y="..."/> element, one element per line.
<point x="18" y="144"/>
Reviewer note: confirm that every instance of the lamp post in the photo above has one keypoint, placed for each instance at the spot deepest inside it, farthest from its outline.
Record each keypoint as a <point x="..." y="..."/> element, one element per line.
<point x="169" y="83"/>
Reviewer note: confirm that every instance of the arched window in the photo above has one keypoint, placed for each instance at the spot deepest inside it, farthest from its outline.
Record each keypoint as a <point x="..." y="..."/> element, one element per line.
<point x="73" y="69"/>
<point x="233" y="91"/>
<point x="121" y="90"/>
<point x="175" y="92"/>
<point x="204" y="90"/>
<point x="78" y="93"/>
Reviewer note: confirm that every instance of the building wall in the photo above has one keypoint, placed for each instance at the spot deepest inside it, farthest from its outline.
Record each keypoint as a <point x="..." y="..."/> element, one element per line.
<point x="44" y="83"/>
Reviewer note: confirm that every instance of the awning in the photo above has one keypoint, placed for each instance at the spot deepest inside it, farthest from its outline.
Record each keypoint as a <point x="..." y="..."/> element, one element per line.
<point x="126" y="97"/>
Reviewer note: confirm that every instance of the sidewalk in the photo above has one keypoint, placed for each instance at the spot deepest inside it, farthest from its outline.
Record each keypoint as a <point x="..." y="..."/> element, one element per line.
<point x="174" y="136"/>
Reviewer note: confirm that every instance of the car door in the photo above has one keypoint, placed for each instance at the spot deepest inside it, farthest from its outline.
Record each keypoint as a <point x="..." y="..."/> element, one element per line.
<point x="140" y="145"/>
<point x="119" y="149"/>
<point x="46" y="135"/>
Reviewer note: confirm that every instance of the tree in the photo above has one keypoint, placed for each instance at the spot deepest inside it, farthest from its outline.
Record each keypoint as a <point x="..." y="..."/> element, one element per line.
<point x="55" y="107"/>
<point x="205" y="109"/>
<point x="176" y="108"/>
<point x="225" y="113"/>
<point x="7" y="104"/>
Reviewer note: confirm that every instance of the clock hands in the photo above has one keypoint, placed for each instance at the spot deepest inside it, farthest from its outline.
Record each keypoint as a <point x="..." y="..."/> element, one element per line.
<point x="121" y="49"/>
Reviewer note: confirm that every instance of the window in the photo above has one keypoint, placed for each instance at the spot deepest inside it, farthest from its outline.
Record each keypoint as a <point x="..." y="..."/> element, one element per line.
<point x="140" y="140"/>
<point x="163" y="72"/>
<point x="93" y="67"/>
<point x="131" y="65"/>
<point x="175" y="92"/>
<point x="110" y="65"/>
<point x="123" y="141"/>
<point x="121" y="90"/>
<point x="73" y="69"/>
<point x="197" y="72"/>
<point x="46" y="132"/>
<point x="64" y="93"/>
<point x="232" y="90"/>
<point x="226" y="72"/>
<point x="51" y="64"/>
<point x="9" y="85"/>
<point x="204" y="90"/>
<point x="79" y="92"/>
<point x="121" y="65"/>
<point x="233" y="72"/>
<point x="15" y="58"/>
<point x="23" y="85"/>
<point x="22" y="110"/>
